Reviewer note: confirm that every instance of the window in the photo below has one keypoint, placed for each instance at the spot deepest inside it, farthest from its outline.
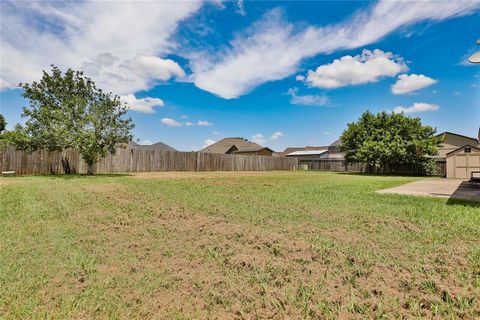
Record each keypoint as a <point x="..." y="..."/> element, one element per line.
<point x="467" y="150"/>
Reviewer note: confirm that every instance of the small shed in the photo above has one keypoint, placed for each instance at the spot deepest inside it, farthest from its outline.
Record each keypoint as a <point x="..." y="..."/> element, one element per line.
<point x="462" y="161"/>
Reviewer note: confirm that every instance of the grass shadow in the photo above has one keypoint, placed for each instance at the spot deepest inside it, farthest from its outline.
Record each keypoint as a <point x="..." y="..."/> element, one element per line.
<point x="463" y="202"/>
<point x="466" y="194"/>
<point x="380" y="174"/>
<point x="83" y="176"/>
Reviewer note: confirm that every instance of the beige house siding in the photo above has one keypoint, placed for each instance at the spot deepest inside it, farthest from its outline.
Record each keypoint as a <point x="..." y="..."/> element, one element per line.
<point x="452" y="142"/>
<point x="460" y="164"/>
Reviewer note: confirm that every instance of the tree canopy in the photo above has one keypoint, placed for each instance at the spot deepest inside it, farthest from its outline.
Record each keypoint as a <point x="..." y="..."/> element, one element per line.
<point x="69" y="111"/>
<point x="387" y="140"/>
<point x="3" y="122"/>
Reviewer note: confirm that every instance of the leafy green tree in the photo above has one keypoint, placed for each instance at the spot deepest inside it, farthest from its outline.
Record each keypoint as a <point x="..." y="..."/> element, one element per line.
<point x="3" y="122"/>
<point x="69" y="111"/>
<point x="386" y="141"/>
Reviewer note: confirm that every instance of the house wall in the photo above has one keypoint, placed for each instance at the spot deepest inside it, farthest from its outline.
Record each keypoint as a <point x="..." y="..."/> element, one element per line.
<point x="460" y="165"/>
<point x="452" y="142"/>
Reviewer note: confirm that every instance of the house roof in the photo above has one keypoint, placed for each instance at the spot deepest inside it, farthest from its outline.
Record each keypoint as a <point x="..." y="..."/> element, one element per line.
<point x="226" y="144"/>
<point x="159" y="146"/>
<point x="293" y="149"/>
<point x="307" y="152"/>
<point x="458" y="135"/>
<point x="336" y="143"/>
<point x="465" y="146"/>
<point x="251" y="149"/>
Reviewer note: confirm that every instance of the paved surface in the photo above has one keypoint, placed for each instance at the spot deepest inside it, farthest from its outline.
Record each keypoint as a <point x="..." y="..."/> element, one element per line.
<point x="438" y="187"/>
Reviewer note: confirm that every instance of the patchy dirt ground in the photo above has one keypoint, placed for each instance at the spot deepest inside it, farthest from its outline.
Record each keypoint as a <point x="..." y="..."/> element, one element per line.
<point x="283" y="245"/>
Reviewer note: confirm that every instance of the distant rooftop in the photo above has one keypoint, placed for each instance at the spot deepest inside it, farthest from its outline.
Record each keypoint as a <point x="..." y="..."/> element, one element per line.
<point x="307" y="152"/>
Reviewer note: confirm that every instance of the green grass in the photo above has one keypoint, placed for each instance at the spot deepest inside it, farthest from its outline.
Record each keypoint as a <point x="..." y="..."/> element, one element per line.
<point x="245" y="245"/>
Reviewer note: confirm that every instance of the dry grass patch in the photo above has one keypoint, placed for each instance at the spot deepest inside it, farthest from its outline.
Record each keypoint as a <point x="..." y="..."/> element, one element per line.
<point x="222" y="246"/>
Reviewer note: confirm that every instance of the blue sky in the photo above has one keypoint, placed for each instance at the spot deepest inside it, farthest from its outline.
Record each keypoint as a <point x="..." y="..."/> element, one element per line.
<point x="279" y="73"/>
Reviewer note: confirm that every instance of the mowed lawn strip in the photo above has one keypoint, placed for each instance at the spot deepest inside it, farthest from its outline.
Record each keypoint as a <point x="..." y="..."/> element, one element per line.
<point x="234" y="245"/>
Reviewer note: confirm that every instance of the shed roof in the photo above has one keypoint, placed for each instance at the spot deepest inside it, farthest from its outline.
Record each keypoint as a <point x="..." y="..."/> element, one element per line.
<point x="307" y="152"/>
<point x="465" y="146"/>
<point x="292" y="149"/>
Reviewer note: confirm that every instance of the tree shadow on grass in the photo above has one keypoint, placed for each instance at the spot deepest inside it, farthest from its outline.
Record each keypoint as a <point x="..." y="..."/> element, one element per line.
<point x="466" y="194"/>
<point x="85" y="176"/>
<point x="463" y="202"/>
<point x="367" y="174"/>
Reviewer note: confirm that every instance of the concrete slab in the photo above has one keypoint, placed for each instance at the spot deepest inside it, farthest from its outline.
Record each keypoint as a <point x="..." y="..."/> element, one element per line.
<point x="438" y="187"/>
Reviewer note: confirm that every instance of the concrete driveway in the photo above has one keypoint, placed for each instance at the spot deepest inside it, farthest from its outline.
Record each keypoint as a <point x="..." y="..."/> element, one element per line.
<point x="438" y="187"/>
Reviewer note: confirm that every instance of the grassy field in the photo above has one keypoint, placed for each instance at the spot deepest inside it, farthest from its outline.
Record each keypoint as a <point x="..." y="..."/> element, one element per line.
<point x="234" y="245"/>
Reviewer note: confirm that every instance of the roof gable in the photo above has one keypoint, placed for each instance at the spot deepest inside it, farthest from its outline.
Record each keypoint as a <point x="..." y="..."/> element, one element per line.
<point x="465" y="146"/>
<point x="224" y="145"/>
<point x="446" y="133"/>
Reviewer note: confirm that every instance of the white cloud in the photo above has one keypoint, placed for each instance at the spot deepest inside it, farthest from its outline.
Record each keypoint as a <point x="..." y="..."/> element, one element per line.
<point x="258" y="138"/>
<point x="204" y="123"/>
<point x="146" y="142"/>
<point x="276" y="135"/>
<point x="184" y="116"/>
<point x="199" y="123"/>
<point x="307" y="100"/>
<point x="417" y="107"/>
<point x="272" y="48"/>
<point x="152" y="67"/>
<point x="208" y="142"/>
<point x="300" y="77"/>
<point x="120" y="45"/>
<point x="144" y="105"/>
<point x="170" y="122"/>
<point x="410" y="83"/>
<point x="216" y="133"/>
<point x="369" y="66"/>
<point x="241" y="7"/>
<point x="4" y="85"/>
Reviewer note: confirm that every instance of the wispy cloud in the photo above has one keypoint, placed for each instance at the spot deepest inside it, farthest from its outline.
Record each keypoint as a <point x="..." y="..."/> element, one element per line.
<point x="272" y="48"/>
<point x="307" y="100"/>
<point x="417" y="107"/>
<point x="120" y="45"/>
<point x="200" y="123"/>
<point x="276" y="135"/>
<point x="204" y="123"/>
<point x="259" y="138"/>
<point x="144" y="105"/>
<point x="170" y="122"/>
<point x="208" y="142"/>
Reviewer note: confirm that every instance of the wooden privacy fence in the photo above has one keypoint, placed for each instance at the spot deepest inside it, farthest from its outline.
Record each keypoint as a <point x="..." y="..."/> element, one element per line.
<point x="137" y="160"/>
<point x="337" y="165"/>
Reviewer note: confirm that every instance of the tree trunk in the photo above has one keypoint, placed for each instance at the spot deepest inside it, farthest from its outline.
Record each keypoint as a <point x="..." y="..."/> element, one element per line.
<point x="90" y="169"/>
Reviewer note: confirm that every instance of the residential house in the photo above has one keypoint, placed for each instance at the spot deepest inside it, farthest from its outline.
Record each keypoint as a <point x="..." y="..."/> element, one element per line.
<point x="238" y="146"/>
<point x="311" y="153"/>
<point x="293" y="149"/>
<point x="452" y="141"/>
<point x="159" y="146"/>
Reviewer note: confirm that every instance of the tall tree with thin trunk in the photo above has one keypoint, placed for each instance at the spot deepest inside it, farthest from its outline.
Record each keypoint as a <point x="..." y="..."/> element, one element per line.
<point x="69" y="111"/>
